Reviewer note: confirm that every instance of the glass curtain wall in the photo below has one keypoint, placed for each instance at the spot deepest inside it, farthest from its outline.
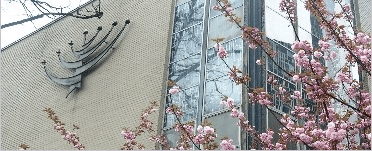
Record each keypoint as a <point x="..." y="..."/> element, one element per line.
<point x="195" y="67"/>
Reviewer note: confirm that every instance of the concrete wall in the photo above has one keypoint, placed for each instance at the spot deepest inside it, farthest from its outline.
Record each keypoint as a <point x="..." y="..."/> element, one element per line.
<point x="112" y="95"/>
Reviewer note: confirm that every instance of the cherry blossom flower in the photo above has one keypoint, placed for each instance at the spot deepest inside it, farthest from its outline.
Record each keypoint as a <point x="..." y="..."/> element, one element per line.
<point x="227" y="145"/>
<point x="174" y="90"/>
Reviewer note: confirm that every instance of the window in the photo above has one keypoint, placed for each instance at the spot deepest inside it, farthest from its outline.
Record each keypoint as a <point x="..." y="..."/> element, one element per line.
<point x="191" y="70"/>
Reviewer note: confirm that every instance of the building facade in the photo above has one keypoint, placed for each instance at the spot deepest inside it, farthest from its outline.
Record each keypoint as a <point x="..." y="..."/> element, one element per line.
<point x="166" y="40"/>
<point x="202" y="76"/>
<point x="362" y="21"/>
<point x="113" y="93"/>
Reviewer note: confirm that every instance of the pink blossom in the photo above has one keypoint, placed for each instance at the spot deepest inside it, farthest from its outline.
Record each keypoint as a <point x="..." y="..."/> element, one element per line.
<point x="282" y="90"/>
<point x="189" y="128"/>
<point x="267" y="137"/>
<point x="316" y="132"/>
<point x="169" y="110"/>
<point x="306" y="138"/>
<point x="364" y="59"/>
<point x="321" y="145"/>
<point x="333" y="55"/>
<point x="229" y="9"/>
<point x="259" y="62"/>
<point x="227" y="145"/>
<point x="234" y="113"/>
<point x="368" y="109"/>
<point x="208" y="130"/>
<point x="318" y="54"/>
<point x="174" y="90"/>
<point x="296" y="95"/>
<point x="228" y="103"/>
<point x="200" y="129"/>
<point x="215" y="7"/>
<point x="241" y="116"/>
<point x="348" y="15"/>
<point x="301" y="45"/>
<point x="296" y="78"/>
<point x="265" y="102"/>
<point x="222" y="53"/>
<point x="128" y="135"/>
<point x="288" y="6"/>
<point x="344" y="77"/>
<point x="324" y="45"/>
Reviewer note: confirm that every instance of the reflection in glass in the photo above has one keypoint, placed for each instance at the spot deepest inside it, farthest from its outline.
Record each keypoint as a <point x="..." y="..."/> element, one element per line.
<point x="187" y="99"/>
<point x="185" y="72"/>
<point x="213" y="13"/>
<point x="215" y="67"/>
<point x="215" y="89"/>
<point x="187" y="42"/>
<point x="188" y="14"/>
<point x="219" y="27"/>
<point x="218" y="84"/>
<point x="185" y="57"/>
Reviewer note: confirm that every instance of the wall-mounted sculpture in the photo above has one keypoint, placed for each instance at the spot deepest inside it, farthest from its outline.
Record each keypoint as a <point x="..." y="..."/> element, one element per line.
<point x="86" y="60"/>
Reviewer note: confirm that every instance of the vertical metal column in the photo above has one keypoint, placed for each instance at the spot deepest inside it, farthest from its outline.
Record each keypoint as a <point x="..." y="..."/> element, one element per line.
<point x="199" y="117"/>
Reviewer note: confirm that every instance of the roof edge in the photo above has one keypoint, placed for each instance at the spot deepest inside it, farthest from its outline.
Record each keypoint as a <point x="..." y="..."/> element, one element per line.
<point x="48" y="24"/>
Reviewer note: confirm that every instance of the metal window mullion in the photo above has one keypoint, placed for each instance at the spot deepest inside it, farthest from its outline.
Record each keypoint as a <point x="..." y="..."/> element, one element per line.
<point x="223" y="13"/>
<point x="186" y="29"/>
<point x="226" y="42"/>
<point x="199" y="117"/>
<point x="281" y="77"/>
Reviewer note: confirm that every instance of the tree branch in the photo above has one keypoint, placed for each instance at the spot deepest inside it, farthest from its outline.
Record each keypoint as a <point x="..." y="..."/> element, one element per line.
<point x="98" y="14"/>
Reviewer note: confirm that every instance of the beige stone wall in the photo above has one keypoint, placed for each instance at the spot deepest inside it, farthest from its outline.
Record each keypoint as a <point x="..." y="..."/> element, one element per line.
<point x="112" y="95"/>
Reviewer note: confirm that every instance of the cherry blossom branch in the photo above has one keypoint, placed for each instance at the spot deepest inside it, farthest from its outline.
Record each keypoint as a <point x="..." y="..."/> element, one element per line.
<point x="23" y="147"/>
<point x="286" y="7"/>
<point x="176" y="111"/>
<point x="253" y="38"/>
<point x="145" y="125"/>
<point x="231" y="18"/>
<point x="250" y="89"/>
<point x="349" y="16"/>
<point x="333" y="32"/>
<point x="71" y="137"/>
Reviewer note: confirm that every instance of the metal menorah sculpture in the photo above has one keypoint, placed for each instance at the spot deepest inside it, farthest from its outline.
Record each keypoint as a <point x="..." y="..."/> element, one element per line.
<point x="86" y="60"/>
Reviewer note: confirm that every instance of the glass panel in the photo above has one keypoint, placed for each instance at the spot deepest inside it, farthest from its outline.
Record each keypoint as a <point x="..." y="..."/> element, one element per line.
<point x="219" y="27"/>
<point x="280" y="105"/>
<point x="172" y="137"/>
<point x="218" y="84"/>
<point x="185" y="57"/>
<point x="179" y="2"/>
<point x="187" y="42"/>
<point x="188" y="14"/>
<point x="215" y="89"/>
<point x="215" y="67"/>
<point x="186" y="72"/>
<point x="226" y="127"/>
<point x="284" y="58"/>
<point x="187" y="99"/>
<point x="234" y="3"/>
<point x="316" y="31"/>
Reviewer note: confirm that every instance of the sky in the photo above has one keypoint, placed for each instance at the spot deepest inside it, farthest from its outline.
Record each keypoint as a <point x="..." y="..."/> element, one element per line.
<point x="12" y="10"/>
